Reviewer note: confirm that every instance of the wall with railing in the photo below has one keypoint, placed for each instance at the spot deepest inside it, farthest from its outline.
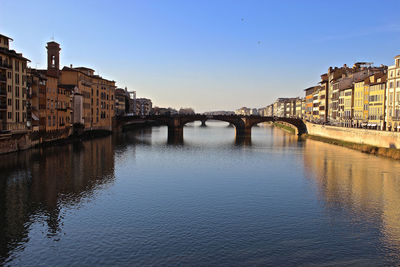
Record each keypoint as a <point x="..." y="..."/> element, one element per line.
<point x="355" y="135"/>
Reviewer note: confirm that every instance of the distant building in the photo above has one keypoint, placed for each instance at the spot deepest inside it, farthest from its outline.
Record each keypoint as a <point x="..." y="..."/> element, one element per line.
<point x="132" y="102"/>
<point x="186" y="111"/>
<point x="269" y="110"/>
<point x="285" y="107"/>
<point x="310" y="95"/>
<point x="121" y="100"/>
<point x="220" y="112"/>
<point x="243" y="111"/>
<point x="143" y="106"/>
<point x="163" y="111"/>
<point x="298" y="112"/>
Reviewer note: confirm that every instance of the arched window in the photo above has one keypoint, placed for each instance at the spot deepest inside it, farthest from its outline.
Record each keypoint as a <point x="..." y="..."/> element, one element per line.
<point x="53" y="61"/>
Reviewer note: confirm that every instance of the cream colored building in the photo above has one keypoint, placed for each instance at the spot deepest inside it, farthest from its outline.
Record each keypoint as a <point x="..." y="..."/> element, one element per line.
<point x="13" y="88"/>
<point x="393" y="97"/>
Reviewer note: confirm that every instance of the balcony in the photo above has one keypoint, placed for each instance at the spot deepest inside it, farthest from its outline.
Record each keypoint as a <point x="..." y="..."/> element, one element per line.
<point x="3" y="78"/>
<point x="5" y="65"/>
<point x="3" y="106"/>
<point x="3" y="91"/>
<point x="16" y="126"/>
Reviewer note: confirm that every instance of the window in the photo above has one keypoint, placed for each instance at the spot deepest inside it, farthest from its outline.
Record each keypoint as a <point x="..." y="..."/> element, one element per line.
<point x="9" y="115"/>
<point x="9" y="102"/>
<point x="53" y="61"/>
<point x="16" y="78"/>
<point x="9" y="88"/>
<point x="16" y="91"/>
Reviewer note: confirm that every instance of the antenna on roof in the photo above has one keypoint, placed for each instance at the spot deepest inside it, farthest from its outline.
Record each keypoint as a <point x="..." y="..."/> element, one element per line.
<point x="52" y="37"/>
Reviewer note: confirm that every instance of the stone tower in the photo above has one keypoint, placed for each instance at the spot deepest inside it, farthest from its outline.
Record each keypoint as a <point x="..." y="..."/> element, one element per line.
<point x="53" y="58"/>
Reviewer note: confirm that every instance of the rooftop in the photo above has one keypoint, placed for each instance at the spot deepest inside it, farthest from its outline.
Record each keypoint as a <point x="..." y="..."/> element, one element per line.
<point x="12" y="53"/>
<point x="3" y="36"/>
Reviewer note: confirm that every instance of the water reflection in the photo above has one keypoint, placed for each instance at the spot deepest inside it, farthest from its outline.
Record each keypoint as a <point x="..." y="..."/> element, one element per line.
<point x="133" y="198"/>
<point x="34" y="184"/>
<point x="366" y="186"/>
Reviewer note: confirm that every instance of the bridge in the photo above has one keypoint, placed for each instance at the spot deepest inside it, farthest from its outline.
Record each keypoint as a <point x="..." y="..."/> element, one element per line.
<point x="243" y="124"/>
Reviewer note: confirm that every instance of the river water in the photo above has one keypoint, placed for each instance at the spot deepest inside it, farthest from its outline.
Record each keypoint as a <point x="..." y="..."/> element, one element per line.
<point x="133" y="199"/>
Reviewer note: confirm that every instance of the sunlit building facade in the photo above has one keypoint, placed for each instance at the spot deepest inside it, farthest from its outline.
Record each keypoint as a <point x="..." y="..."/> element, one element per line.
<point x="13" y="88"/>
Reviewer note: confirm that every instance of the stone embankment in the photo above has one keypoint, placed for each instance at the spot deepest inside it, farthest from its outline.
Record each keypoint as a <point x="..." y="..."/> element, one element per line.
<point x="13" y="142"/>
<point x="381" y="143"/>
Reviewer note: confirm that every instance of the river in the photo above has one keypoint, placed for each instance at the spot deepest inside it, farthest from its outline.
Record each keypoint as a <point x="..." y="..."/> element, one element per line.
<point x="134" y="199"/>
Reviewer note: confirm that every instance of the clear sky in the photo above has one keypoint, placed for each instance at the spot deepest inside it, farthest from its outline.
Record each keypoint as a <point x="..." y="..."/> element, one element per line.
<point x="209" y="55"/>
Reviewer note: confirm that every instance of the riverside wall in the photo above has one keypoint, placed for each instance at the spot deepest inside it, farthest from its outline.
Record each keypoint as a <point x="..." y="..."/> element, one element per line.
<point x="354" y="135"/>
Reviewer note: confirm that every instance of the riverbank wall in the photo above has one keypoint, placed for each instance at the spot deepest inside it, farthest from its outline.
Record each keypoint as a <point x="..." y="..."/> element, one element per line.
<point x="354" y="135"/>
<point x="13" y="142"/>
<point x="18" y="141"/>
<point x="382" y="143"/>
<point x="286" y="127"/>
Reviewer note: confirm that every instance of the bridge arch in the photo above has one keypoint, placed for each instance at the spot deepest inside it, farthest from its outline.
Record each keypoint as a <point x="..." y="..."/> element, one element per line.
<point x="243" y="124"/>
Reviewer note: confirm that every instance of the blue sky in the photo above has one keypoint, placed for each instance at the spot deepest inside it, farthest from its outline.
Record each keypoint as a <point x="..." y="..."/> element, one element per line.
<point x="209" y="55"/>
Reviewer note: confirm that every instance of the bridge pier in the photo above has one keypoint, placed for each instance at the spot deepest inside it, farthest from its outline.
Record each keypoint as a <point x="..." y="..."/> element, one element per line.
<point x="243" y="131"/>
<point x="243" y="140"/>
<point x="203" y="123"/>
<point x="175" y="135"/>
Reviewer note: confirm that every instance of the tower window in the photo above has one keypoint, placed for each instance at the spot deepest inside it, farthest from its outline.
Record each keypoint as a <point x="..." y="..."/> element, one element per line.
<point x="53" y="61"/>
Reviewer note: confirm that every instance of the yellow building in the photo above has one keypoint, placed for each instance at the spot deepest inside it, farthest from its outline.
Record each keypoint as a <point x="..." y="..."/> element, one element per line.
<point x="98" y="96"/>
<point x="348" y="106"/>
<point x="376" y="105"/>
<point x="13" y="88"/>
<point x="393" y="97"/>
<point x="359" y="119"/>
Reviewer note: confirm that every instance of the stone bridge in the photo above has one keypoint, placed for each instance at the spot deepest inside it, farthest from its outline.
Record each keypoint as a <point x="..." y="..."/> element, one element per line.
<point x="243" y="124"/>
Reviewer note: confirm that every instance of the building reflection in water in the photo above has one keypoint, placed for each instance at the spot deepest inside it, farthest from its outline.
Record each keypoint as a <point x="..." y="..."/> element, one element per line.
<point x="36" y="183"/>
<point x="367" y="186"/>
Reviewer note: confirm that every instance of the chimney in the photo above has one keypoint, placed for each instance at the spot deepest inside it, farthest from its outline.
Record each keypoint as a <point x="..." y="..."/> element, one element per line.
<point x="70" y="65"/>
